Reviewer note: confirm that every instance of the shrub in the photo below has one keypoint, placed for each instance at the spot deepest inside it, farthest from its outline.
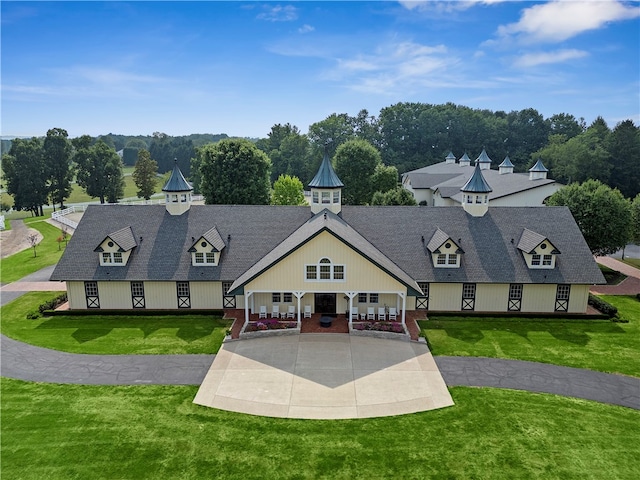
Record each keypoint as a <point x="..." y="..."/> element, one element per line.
<point x="603" y="306"/>
<point x="53" y="303"/>
<point x="34" y="315"/>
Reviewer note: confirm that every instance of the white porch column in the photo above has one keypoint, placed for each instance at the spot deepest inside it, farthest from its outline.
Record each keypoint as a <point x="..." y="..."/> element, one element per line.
<point x="403" y="295"/>
<point x="351" y="296"/>
<point x="246" y="309"/>
<point x="299" y="295"/>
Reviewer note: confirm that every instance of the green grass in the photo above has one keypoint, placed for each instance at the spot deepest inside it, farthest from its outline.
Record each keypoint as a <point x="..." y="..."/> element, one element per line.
<point x="150" y="432"/>
<point x="613" y="277"/>
<point x="100" y="334"/>
<point x="594" y="344"/>
<point x="48" y="252"/>
<point x="634" y="262"/>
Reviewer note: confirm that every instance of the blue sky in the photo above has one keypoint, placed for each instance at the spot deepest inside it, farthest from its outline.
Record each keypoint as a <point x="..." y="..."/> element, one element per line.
<point x="240" y="67"/>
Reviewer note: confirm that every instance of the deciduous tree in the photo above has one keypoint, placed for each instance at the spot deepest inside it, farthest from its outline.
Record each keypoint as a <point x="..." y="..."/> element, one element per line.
<point x="57" y="157"/>
<point x="397" y="196"/>
<point x="145" y="175"/>
<point x="234" y="171"/>
<point x="288" y="190"/>
<point x="25" y="175"/>
<point x="100" y="172"/>
<point x="602" y="213"/>
<point x="356" y="162"/>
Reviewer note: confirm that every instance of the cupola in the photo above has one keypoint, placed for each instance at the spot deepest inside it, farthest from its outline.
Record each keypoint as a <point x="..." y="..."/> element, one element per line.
<point x="451" y="158"/>
<point x="326" y="188"/>
<point x="464" y="161"/>
<point x="177" y="192"/>
<point x="483" y="160"/>
<point x="538" y="171"/>
<point x="475" y="194"/>
<point x="506" y="166"/>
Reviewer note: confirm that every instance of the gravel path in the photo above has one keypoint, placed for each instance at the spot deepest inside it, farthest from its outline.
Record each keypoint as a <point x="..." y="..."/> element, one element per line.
<point x="17" y="239"/>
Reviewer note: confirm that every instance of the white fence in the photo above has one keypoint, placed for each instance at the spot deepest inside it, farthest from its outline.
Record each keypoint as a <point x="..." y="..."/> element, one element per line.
<point x="1" y="222"/>
<point x="60" y="216"/>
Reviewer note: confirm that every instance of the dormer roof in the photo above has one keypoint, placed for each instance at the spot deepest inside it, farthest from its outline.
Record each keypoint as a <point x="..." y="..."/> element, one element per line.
<point x="326" y="176"/>
<point x="438" y="239"/>
<point x="450" y="158"/>
<point x="177" y="182"/>
<point x="464" y="159"/>
<point x="477" y="183"/>
<point x="530" y="240"/>
<point x="123" y="238"/>
<point x="213" y="238"/>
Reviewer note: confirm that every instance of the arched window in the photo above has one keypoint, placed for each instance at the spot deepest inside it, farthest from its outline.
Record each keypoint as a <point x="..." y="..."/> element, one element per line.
<point x="325" y="270"/>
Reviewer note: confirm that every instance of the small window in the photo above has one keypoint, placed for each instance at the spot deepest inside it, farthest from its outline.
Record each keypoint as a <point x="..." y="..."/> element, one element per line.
<point x="106" y="257"/>
<point x="373" y="298"/>
<point x="336" y="197"/>
<point x="199" y="257"/>
<point x="183" y="289"/>
<point x="546" y="259"/>
<point x="315" y="197"/>
<point x="469" y="290"/>
<point x="535" y="259"/>
<point x="362" y="298"/>
<point x="91" y="289"/>
<point x="287" y="297"/>
<point x="183" y="198"/>
<point x="137" y="289"/>
<point x="453" y="259"/>
<point x="563" y="292"/>
<point x="326" y="197"/>
<point x="338" y="272"/>
<point x="442" y="259"/>
<point x="117" y="257"/>
<point x="325" y="272"/>
<point x="312" y="273"/>
<point x="478" y="199"/>
<point x="174" y="198"/>
<point x="211" y="257"/>
<point x="225" y="287"/>
<point x="275" y="297"/>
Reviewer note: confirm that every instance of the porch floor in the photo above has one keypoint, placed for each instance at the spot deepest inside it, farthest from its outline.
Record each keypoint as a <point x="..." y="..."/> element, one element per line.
<point x="340" y="323"/>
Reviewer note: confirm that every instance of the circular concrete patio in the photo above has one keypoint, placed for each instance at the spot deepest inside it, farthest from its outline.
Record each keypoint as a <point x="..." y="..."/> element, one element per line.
<point x="324" y="376"/>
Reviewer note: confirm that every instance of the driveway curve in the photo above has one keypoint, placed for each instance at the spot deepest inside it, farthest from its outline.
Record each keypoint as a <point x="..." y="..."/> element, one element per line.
<point x="27" y="362"/>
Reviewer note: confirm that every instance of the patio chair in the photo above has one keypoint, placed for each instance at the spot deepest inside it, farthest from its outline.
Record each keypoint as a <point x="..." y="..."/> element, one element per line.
<point x="263" y="312"/>
<point x="291" y="312"/>
<point x="275" y="311"/>
<point x="381" y="314"/>
<point x="354" y="313"/>
<point x="307" y="311"/>
<point x="371" y="313"/>
<point x="393" y="315"/>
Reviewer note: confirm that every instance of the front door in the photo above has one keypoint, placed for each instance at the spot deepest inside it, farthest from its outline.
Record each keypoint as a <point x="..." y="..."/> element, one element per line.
<point x="325" y="303"/>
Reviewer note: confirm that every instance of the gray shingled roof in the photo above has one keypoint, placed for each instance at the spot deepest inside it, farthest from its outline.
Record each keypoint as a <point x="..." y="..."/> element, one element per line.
<point x="123" y="238"/>
<point x="326" y="176"/>
<point x="395" y="232"/>
<point x="448" y="178"/>
<point x="177" y="182"/>
<point x="477" y="183"/>
<point x="437" y="239"/>
<point x="530" y="240"/>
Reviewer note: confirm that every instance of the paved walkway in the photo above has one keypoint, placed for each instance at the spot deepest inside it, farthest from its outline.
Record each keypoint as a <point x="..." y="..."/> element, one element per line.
<point x="324" y="376"/>
<point x="629" y="286"/>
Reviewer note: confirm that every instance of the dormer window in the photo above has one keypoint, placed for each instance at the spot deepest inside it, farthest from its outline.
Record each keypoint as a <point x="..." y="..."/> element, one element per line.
<point x="116" y="248"/>
<point x="537" y="250"/>
<point x="445" y="253"/>
<point x="206" y="250"/>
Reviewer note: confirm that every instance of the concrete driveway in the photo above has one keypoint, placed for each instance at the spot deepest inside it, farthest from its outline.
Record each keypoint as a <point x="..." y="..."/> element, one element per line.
<point x="324" y="376"/>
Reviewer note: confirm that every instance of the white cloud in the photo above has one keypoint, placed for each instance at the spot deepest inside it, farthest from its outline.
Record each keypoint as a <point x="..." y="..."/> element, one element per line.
<point x="279" y="13"/>
<point x="559" y="20"/>
<point x="306" y="29"/>
<point x="445" y="5"/>
<point x="541" y="58"/>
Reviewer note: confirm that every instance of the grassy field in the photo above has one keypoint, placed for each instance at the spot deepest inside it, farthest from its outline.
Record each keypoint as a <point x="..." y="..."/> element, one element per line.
<point x="150" y="432"/>
<point x="48" y="252"/>
<point x="126" y="334"/>
<point x="634" y="262"/>
<point x="594" y="344"/>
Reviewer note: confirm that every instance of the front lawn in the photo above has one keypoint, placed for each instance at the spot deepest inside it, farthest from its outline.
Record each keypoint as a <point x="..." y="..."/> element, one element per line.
<point x="634" y="262"/>
<point x="150" y="432"/>
<point x="117" y="334"/>
<point x="48" y="252"/>
<point x="594" y="344"/>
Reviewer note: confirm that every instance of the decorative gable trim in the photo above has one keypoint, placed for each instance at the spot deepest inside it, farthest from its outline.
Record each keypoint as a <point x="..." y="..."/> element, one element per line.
<point x="206" y="250"/>
<point x="445" y="253"/>
<point x="537" y="250"/>
<point x="116" y="247"/>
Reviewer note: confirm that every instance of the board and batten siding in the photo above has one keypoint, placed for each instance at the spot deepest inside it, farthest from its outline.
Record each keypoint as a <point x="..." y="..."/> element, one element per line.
<point x="290" y="273"/>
